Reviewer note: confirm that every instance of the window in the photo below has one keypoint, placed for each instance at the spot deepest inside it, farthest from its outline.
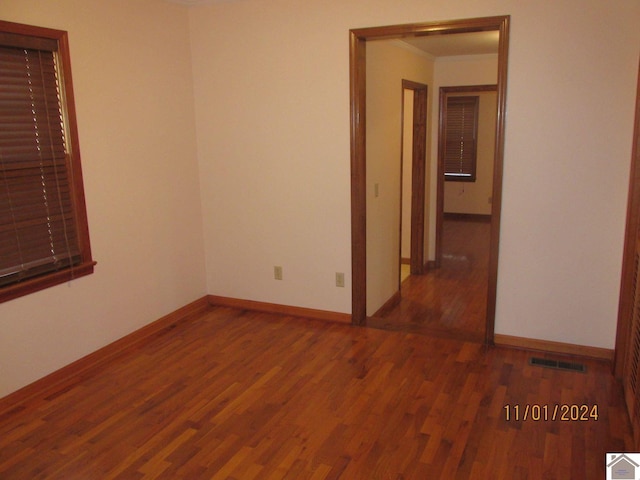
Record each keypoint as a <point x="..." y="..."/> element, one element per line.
<point x="461" y="138"/>
<point x="44" y="236"/>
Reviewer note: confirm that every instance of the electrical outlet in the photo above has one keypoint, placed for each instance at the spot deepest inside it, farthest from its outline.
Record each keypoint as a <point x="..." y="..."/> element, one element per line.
<point x="339" y="279"/>
<point x="277" y="273"/>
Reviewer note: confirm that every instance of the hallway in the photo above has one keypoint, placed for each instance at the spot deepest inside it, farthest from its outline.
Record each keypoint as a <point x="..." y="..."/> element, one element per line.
<point x="448" y="302"/>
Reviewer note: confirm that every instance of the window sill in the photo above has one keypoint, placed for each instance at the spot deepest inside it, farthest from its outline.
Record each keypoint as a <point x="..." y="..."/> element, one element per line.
<point x="460" y="179"/>
<point x="40" y="283"/>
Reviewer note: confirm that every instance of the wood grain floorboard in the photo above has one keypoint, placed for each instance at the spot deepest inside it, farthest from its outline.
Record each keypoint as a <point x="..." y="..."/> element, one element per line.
<point x="241" y="395"/>
<point x="450" y="301"/>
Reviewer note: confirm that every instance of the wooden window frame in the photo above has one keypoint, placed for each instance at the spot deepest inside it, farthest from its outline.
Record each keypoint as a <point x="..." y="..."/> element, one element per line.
<point x="463" y="151"/>
<point x="51" y="40"/>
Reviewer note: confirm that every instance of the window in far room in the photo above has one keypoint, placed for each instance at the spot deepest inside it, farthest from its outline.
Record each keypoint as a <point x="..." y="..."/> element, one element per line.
<point x="461" y="138"/>
<point x="44" y="236"/>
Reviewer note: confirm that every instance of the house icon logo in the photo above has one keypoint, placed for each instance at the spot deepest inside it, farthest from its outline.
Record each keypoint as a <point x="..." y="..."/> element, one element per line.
<point x="623" y="466"/>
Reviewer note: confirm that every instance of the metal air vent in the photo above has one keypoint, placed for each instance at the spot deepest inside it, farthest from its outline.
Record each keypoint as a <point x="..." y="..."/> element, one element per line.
<point x="558" y="364"/>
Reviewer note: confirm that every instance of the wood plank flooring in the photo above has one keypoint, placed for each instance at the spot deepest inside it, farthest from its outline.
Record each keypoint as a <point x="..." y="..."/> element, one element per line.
<point x="241" y="395"/>
<point x="450" y="301"/>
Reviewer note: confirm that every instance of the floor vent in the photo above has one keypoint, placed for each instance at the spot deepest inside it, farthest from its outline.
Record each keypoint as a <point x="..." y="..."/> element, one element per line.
<point x="560" y="365"/>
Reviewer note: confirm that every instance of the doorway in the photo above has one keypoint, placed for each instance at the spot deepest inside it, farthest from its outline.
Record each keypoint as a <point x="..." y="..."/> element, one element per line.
<point x="465" y="195"/>
<point x="358" y="42"/>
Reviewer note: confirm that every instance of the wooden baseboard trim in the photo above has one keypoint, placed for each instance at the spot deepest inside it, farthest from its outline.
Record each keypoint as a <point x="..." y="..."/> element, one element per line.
<point x="216" y="300"/>
<point x="388" y="305"/>
<point x="67" y="376"/>
<point x="548" y="346"/>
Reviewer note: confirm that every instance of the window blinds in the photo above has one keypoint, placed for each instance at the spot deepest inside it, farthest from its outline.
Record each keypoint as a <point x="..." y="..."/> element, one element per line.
<point x="460" y="142"/>
<point x="37" y="226"/>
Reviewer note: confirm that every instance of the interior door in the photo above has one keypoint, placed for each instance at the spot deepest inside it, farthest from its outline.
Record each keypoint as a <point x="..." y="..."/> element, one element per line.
<point x="418" y="170"/>
<point x="627" y="354"/>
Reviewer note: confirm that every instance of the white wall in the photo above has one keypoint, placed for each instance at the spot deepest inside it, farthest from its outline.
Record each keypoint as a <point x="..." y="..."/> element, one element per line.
<point x="134" y="97"/>
<point x="272" y="89"/>
<point x="387" y="66"/>
<point x="272" y="109"/>
<point x="569" y="130"/>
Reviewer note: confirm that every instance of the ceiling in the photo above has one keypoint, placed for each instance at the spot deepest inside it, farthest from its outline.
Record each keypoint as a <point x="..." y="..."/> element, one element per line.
<point x="448" y="45"/>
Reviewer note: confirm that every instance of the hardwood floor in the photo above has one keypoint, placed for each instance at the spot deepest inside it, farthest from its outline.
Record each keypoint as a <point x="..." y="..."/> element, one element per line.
<point x="233" y="394"/>
<point x="451" y="301"/>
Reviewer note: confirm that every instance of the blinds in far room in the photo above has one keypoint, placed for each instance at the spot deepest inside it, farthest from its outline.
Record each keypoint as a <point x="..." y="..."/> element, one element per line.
<point x="37" y="226"/>
<point x="461" y="138"/>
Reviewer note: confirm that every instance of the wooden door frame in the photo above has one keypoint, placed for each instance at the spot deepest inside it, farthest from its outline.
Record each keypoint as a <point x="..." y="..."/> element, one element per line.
<point x="418" y="171"/>
<point x="357" y="87"/>
<point x="627" y="287"/>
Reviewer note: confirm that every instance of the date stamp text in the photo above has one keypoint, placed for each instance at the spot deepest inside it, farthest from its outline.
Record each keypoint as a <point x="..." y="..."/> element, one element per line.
<point x="557" y="412"/>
